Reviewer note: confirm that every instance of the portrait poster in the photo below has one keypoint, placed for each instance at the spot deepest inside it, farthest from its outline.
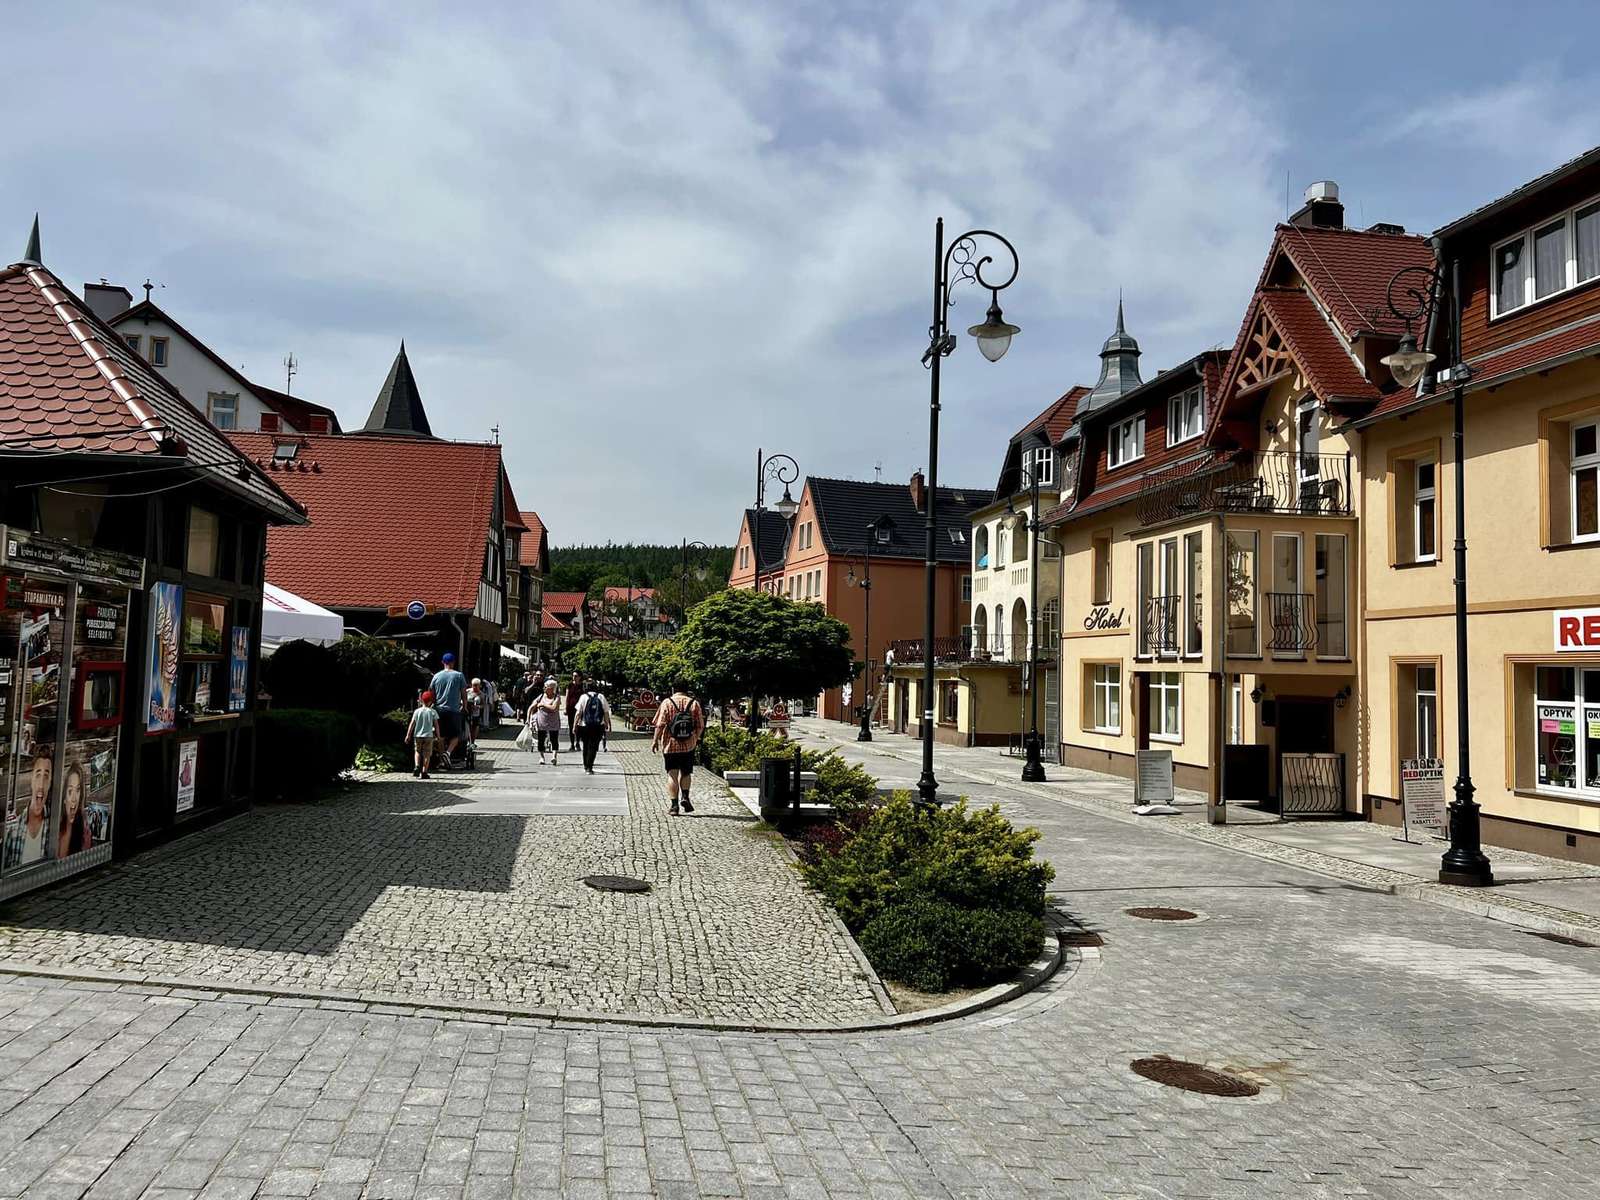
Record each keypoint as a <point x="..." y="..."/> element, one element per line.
<point x="238" y="667"/>
<point x="188" y="761"/>
<point x="166" y="610"/>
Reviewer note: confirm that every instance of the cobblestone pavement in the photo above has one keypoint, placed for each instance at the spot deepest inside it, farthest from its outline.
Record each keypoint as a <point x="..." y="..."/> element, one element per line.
<point x="421" y="891"/>
<point x="1403" y="1050"/>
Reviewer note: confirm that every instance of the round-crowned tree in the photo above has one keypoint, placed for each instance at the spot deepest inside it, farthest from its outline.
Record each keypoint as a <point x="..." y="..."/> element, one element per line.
<point x="745" y="643"/>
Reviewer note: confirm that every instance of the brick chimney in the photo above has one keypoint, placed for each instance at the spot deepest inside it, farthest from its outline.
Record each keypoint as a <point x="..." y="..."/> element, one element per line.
<point x="919" y="490"/>
<point x="108" y="301"/>
<point x="1322" y="209"/>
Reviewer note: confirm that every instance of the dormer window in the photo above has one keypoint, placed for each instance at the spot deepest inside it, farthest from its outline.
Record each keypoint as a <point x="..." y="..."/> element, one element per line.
<point x="958" y="536"/>
<point x="1546" y="260"/>
<point x="1125" y="443"/>
<point x="880" y="534"/>
<point x="1043" y="466"/>
<point x="1185" y="416"/>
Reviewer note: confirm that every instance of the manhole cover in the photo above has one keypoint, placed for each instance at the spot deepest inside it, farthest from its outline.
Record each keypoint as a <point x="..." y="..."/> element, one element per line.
<point x="1563" y="940"/>
<point x="1192" y="1077"/>
<point x="616" y="883"/>
<point x="1081" y="937"/>
<point x="1162" y="914"/>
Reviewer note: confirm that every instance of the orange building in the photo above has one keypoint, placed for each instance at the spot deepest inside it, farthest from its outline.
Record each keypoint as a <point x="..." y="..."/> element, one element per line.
<point x="820" y="556"/>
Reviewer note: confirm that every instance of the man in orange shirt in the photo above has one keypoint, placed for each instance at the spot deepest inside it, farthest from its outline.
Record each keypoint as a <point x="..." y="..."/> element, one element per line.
<point x="679" y="724"/>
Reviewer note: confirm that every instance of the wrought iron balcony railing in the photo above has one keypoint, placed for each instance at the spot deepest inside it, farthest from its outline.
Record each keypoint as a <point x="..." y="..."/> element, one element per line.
<point x="971" y="648"/>
<point x="1291" y="622"/>
<point x="1266" y="482"/>
<point x="1159" y="633"/>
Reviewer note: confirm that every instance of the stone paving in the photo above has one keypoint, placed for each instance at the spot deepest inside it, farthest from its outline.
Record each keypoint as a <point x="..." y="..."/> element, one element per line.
<point x="1403" y="1050"/>
<point x="448" y="890"/>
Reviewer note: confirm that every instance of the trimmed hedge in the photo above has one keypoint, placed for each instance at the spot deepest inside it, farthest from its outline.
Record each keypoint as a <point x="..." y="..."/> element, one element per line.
<point x="933" y="945"/>
<point x="733" y="748"/>
<point x="299" y="750"/>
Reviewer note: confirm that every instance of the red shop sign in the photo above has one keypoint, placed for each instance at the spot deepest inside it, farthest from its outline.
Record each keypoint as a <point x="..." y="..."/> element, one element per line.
<point x="1577" y="629"/>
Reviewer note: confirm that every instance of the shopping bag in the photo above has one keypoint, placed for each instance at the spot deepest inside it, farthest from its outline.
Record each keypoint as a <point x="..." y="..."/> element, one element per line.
<point x="525" y="739"/>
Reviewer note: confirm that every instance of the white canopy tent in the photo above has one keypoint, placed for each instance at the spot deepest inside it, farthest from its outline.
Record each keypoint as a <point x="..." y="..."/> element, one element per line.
<point x="508" y="652"/>
<point x="286" y="617"/>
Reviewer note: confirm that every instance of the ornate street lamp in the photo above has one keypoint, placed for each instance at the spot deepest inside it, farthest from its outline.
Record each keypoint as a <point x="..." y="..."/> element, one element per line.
<point x="778" y="468"/>
<point x="961" y="261"/>
<point x="683" y="575"/>
<point x="1033" y="767"/>
<point x="1413" y="296"/>
<point x="865" y="584"/>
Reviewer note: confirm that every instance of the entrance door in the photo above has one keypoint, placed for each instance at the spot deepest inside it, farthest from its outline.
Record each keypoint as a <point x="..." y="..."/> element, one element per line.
<point x="1305" y="727"/>
<point x="1052" y="714"/>
<point x="903" y="691"/>
<point x="1141" y="710"/>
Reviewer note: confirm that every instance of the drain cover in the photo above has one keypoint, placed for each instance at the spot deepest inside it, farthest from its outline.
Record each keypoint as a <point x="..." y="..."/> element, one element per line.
<point x="1162" y="914"/>
<point x="1081" y="937"/>
<point x="1556" y="937"/>
<point x="1192" y="1077"/>
<point x="616" y="883"/>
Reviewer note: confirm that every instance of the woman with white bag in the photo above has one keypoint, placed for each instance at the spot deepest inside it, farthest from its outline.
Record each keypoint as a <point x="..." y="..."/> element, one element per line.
<point x="544" y="718"/>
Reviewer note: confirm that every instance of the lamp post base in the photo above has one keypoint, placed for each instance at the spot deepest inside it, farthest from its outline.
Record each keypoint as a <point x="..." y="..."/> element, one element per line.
<point x="1033" y="768"/>
<point x="1465" y="864"/>
<point x="866" y="729"/>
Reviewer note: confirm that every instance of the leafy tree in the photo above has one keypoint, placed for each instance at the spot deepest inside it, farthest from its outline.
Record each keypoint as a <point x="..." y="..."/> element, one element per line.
<point x="578" y="568"/>
<point x="744" y="643"/>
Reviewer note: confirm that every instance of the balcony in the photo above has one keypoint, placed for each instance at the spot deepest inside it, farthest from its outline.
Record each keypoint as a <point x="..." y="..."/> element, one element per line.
<point x="1267" y="482"/>
<point x="969" y="648"/>
<point x="1158" y="634"/>
<point x="1291" y="622"/>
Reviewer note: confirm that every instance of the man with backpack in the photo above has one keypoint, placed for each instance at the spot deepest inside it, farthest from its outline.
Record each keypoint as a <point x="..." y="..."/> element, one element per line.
<point x="679" y="724"/>
<point x="593" y="719"/>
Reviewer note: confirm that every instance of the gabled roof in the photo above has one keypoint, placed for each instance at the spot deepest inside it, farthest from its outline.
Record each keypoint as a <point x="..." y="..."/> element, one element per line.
<point x="771" y="541"/>
<point x="560" y="602"/>
<point x="1350" y="270"/>
<point x="846" y="507"/>
<point x="510" y="513"/>
<point x="398" y="408"/>
<point x="535" y="550"/>
<point x="368" y="544"/>
<point x="70" y="384"/>
<point x="1053" y="421"/>
<point x="1322" y="358"/>
<point x="292" y="409"/>
<point x="550" y="623"/>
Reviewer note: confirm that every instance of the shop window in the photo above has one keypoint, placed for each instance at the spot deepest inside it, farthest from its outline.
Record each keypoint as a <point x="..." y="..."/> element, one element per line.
<point x="200" y="558"/>
<point x="1102" y="568"/>
<point x="1166" y="706"/>
<point x="1414" y="506"/>
<point x="1333" y="638"/>
<point x="1244" y="633"/>
<point x="73" y="516"/>
<point x="1565" y="731"/>
<point x="1103" y="699"/>
<point x="1194" y="594"/>
<point x="203" y="678"/>
<point x="949" y="701"/>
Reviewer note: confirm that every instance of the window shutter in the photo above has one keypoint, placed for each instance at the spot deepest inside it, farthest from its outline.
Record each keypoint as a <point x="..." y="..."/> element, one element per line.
<point x="270" y="423"/>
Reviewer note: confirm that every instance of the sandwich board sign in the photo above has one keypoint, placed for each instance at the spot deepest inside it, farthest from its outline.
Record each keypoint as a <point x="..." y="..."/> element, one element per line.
<point x="1422" y="802"/>
<point x="1152" y="782"/>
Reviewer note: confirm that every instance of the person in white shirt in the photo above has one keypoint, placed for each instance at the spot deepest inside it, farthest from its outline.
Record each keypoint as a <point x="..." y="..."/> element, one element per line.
<point x="592" y="720"/>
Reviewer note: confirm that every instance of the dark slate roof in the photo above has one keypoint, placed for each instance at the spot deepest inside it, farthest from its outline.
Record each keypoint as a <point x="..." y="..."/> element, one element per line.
<point x="772" y="540"/>
<point x="845" y="507"/>
<point x="398" y="408"/>
<point x="1119" y="368"/>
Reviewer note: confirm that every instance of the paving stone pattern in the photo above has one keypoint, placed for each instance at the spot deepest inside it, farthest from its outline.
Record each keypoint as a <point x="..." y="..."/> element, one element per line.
<point x="1403" y="1051"/>
<point x="384" y="889"/>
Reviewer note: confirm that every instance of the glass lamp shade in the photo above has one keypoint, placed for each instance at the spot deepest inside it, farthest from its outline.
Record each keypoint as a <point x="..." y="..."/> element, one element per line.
<point x="788" y="506"/>
<point x="1407" y="363"/>
<point x="994" y="335"/>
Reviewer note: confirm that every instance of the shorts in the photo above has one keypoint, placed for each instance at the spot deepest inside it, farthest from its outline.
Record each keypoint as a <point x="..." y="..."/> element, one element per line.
<point x="449" y="724"/>
<point x="682" y="760"/>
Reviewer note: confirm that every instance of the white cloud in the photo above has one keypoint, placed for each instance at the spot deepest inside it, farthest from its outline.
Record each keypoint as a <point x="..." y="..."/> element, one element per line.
<point x="644" y="240"/>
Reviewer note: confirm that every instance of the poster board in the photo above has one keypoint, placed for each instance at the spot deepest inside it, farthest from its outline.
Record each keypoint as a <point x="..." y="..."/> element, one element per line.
<point x="166" y="609"/>
<point x="1422" y="801"/>
<point x="1152" y="780"/>
<point x="188" y="764"/>
<point x="238" y="667"/>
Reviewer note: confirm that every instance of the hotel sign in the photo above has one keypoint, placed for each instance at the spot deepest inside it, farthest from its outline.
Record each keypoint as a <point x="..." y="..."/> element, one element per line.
<point x="1577" y="630"/>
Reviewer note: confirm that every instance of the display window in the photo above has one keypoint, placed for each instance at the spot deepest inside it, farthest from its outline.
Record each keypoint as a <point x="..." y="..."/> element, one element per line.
<point x="1567" y="730"/>
<point x="206" y="646"/>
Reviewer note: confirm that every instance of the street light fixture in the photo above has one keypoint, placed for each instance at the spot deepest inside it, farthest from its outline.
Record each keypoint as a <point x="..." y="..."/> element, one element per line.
<point x="782" y="469"/>
<point x="1033" y="765"/>
<point x="683" y="576"/>
<point x="1413" y="296"/>
<point x="961" y="261"/>
<point x="865" y="584"/>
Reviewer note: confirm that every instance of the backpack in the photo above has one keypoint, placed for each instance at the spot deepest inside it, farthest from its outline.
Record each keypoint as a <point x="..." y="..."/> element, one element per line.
<point x="682" y="726"/>
<point x="594" y="712"/>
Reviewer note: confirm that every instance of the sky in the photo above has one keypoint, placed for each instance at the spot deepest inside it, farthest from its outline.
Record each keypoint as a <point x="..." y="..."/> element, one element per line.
<point x="645" y="240"/>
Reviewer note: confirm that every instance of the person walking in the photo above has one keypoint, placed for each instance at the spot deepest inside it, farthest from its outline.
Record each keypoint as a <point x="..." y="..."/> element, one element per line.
<point x="545" y="717"/>
<point x="680" y="722"/>
<point x="449" y="688"/>
<point x="421" y="731"/>
<point x="525" y="693"/>
<point x="574" y="690"/>
<point x="594" y="720"/>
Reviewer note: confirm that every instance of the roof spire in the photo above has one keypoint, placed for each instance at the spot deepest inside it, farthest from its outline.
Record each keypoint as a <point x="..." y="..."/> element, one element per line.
<point x="398" y="408"/>
<point x="31" y="254"/>
<point x="1119" y="366"/>
<point x="1120" y="328"/>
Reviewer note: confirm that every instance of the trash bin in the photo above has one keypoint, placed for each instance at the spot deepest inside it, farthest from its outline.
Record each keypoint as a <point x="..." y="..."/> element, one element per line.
<point x="777" y="784"/>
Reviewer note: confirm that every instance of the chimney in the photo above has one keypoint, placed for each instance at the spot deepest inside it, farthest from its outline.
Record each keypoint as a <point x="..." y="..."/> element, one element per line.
<point x="1322" y="209"/>
<point x="108" y="301"/>
<point x="919" y="490"/>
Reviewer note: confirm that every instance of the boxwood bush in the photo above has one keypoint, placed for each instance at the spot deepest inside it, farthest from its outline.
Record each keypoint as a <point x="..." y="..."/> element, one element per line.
<point x="299" y="750"/>
<point x="933" y="945"/>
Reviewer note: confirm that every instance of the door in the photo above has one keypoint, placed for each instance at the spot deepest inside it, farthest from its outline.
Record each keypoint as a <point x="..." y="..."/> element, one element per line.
<point x="1316" y="776"/>
<point x="1141" y="710"/>
<point x="1052" y="714"/>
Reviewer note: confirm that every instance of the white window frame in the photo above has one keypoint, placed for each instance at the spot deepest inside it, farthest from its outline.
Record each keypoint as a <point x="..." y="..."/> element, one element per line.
<point x="158" y="351"/>
<point x="1584" y="463"/>
<point x="1193" y="566"/>
<point x="1132" y="428"/>
<point x="1569" y="222"/>
<point x="1042" y="466"/>
<point x="1236" y="711"/>
<point x="1163" y="682"/>
<point x="980" y="549"/>
<point x="1432" y="721"/>
<point x="211" y="408"/>
<point x="1105" y="678"/>
<point x="1344" y="595"/>
<point x="1418" y="495"/>
<point x="1186" y="416"/>
<point x="1582" y="712"/>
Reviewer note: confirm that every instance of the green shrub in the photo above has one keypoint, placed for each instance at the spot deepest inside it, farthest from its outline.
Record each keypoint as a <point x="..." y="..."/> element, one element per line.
<point x="971" y="859"/>
<point x="300" y="750"/>
<point x="734" y="748"/>
<point x="933" y="945"/>
<point x="845" y="786"/>
<point x="372" y="676"/>
<point x="384" y="756"/>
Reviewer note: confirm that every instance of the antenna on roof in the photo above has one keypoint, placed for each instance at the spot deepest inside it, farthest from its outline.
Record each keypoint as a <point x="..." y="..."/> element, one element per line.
<point x="494" y="432"/>
<point x="877" y="470"/>
<point x="291" y="368"/>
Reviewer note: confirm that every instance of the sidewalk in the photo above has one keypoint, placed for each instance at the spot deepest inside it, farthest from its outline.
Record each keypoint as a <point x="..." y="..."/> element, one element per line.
<point x="1543" y="894"/>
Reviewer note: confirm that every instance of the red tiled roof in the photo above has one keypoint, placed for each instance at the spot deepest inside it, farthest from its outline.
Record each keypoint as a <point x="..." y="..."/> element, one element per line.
<point x="68" y="383"/>
<point x="1055" y="419"/>
<point x="551" y="623"/>
<point x="511" y="514"/>
<point x="533" y="546"/>
<point x="1328" y="367"/>
<point x="374" y="539"/>
<point x="1350" y="270"/>
<point x="558" y="602"/>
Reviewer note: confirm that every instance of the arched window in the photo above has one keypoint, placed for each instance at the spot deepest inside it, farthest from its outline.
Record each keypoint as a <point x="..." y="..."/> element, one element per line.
<point x="1019" y="544"/>
<point x="980" y="547"/>
<point x="1019" y="629"/>
<point x="980" y="629"/>
<point x="999" y="627"/>
<point x="1000" y="559"/>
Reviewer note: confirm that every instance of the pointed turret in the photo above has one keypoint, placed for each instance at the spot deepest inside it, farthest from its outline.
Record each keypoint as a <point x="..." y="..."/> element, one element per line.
<point x="1119" y="367"/>
<point x="31" y="254"/>
<point x="398" y="408"/>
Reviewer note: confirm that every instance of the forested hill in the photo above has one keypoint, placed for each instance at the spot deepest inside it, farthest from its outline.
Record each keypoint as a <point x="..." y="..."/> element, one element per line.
<point x="582" y="568"/>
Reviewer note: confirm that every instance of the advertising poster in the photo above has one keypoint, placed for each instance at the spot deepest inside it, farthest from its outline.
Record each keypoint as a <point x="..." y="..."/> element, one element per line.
<point x="238" y="667"/>
<point x="188" y="760"/>
<point x="88" y="786"/>
<point x="1422" y="796"/>
<point x="166" y="608"/>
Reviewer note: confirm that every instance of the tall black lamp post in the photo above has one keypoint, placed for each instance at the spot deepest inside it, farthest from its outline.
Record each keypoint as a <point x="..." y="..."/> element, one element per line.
<point x="683" y="576"/>
<point x="1413" y="295"/>
<point x="1033" y="767"/>
<point x="963" y="260"/>
<point x="770" y="468"/>
<point x="865" y="584"/>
